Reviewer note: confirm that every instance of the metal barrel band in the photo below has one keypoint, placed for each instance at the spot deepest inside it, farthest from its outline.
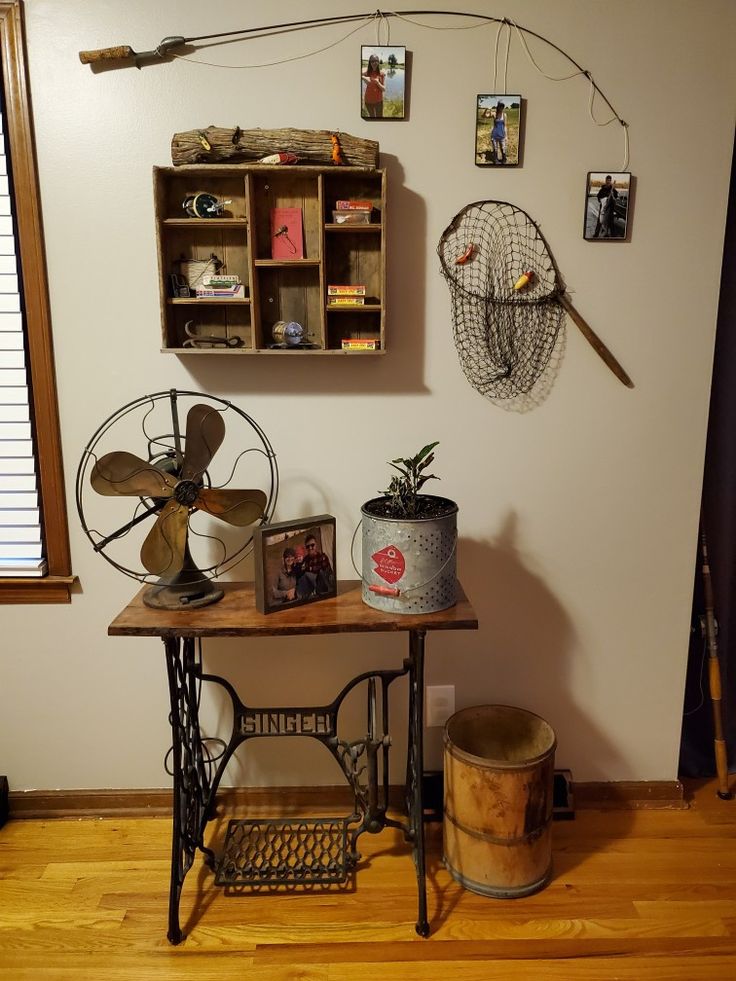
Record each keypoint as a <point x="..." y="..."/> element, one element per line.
<point x="528" y="838"/>
<point x="501" y="892"/>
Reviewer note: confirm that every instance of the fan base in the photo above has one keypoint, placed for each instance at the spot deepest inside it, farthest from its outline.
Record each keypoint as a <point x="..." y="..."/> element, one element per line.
<point x="185" y="596"/>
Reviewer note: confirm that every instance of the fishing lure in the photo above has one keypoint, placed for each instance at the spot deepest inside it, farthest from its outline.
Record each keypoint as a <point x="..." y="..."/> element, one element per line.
<point x="203" y="140"/>
<point x="524" y="279"/>
<point x="467" y="254"/>
<point x="338" y="157"/>
<point x="279" y="158"/>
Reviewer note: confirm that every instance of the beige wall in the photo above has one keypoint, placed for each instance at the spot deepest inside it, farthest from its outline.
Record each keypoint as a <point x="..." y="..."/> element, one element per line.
<point x="577" y="520"/>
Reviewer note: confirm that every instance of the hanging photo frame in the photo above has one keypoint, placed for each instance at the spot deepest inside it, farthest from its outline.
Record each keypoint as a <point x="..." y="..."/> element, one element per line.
<point x="498" y="130"/>
<point x="383" y="81"/>
<point x="606" y="217"/>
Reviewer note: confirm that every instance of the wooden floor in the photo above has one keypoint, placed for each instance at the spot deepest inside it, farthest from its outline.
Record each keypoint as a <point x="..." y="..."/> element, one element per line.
<point x="637" y="895"/>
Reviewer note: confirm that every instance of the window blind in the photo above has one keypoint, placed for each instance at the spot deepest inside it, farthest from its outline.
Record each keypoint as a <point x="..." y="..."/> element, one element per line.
<point x="21" y="546"/>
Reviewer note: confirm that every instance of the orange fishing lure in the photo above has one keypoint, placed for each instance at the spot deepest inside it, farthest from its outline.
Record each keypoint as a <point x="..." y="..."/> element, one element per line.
<point x="338" y="158"/>
<point x="467" y="254"/>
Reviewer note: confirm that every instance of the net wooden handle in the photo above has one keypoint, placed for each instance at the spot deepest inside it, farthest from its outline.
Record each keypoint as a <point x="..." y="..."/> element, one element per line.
<point x="595" y="342"/>
<point x="106" y="54"/>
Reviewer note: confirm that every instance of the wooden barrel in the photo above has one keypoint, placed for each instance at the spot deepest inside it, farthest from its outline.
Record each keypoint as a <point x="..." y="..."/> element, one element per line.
<point x="499" y="775"/>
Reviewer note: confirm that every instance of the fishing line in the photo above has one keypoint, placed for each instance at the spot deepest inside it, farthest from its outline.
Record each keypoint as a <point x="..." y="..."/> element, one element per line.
<point x="283" y="61"/>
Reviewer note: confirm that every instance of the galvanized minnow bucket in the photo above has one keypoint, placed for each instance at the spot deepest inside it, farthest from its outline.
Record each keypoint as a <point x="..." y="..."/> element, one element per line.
<point x="409" y="565"/>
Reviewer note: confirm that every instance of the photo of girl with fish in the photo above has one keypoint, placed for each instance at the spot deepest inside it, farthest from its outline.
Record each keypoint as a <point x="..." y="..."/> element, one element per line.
<point x="382" y="81"/>
<point x="497" y="130"/>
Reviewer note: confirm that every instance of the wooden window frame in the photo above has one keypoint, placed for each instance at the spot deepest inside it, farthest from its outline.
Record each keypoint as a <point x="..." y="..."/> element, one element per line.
<point x="56" y="586"/>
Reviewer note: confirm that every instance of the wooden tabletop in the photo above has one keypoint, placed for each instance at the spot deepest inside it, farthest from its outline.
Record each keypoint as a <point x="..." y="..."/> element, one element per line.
<point x="236" y="616"/>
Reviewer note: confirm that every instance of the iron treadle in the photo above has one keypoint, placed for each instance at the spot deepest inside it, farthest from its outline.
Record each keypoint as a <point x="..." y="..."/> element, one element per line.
<point x="288" y="852"/>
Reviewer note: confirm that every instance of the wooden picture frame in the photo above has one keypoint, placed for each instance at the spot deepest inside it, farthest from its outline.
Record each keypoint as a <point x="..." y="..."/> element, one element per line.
<point x="383" y="81"/>
<point x="294" y="563"/>
<point x="607" y="198"/>
<point x="498" y="130"/>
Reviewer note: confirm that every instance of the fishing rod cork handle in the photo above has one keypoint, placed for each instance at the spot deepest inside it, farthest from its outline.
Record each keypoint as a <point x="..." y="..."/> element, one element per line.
<point x="106" y="54"/>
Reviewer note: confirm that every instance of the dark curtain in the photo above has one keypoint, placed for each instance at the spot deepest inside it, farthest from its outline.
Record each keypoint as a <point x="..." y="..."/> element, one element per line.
<point x="719" y="521"/>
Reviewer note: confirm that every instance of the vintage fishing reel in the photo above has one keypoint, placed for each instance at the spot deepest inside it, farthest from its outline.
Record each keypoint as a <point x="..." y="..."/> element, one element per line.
<point x="288" y="334"/>
<point x="204" y="205"/>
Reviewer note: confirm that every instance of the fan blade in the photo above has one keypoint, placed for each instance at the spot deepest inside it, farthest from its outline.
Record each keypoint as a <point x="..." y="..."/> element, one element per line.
<point x="205" y="433"/>
<point x="125" y="474"/>
<point x="237" y="507"/>
<point x="162" y="552"/>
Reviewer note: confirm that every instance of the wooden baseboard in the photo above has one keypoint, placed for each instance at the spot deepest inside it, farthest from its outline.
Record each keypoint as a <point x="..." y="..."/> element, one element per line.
<point x="630" y="795"/>
<point x="292" y="801"/>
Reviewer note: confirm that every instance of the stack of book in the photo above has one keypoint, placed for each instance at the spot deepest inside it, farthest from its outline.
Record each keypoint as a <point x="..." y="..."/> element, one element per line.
<point x="221" y="287"/>
<point x="352" y="212"/>
<point x="348" y="295"/>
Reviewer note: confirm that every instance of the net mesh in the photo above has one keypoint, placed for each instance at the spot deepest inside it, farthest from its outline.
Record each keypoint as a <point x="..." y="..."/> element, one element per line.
<point x="504" y="337"/>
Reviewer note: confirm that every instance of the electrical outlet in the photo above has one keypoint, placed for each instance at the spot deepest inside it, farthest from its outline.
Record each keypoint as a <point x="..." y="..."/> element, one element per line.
<point x="440" y="704"/>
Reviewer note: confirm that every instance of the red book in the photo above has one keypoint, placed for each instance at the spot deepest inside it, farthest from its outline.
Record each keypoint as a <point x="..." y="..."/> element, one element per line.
<point x="287" y="236"/>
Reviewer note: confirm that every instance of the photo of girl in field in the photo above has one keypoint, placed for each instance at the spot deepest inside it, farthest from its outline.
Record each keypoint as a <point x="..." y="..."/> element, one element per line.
<point x="382" y="82"/>
<point x="497" y="130"/>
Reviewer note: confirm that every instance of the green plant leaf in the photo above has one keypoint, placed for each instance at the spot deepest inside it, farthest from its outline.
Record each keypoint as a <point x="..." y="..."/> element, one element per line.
<point x="403" y="490"/>
<point x="427" y="449"/>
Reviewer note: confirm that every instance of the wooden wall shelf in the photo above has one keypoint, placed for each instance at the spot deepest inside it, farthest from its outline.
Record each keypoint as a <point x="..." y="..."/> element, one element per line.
<point x="275" y="289"/>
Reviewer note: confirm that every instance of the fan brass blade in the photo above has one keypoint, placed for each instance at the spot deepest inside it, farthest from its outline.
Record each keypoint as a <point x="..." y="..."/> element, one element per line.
<point x="125" y="474"/>
<point x="205" y="433"/>
<point x="162" y="552"/>
<point x="237" y="507"/>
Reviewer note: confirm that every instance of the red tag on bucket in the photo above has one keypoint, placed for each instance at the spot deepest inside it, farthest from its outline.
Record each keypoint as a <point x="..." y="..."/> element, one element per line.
<point x="390" y="564"/>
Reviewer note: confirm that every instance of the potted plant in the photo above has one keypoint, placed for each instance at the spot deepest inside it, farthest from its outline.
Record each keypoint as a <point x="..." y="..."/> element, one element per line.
<point x="409" y="542"/>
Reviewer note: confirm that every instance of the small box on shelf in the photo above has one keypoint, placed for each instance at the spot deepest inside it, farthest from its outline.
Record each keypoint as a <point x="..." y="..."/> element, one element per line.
<point x="236" y="292"/>
<point x="346" y="301"/>
<point x="351" y="217"/>
<point x="348" y="289"/>
<point x="359" y="344"/>
<point x="351" y="204"/>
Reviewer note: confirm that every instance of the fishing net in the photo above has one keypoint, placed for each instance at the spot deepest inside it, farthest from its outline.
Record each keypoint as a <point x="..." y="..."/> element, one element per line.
<point x="505" y="337"/>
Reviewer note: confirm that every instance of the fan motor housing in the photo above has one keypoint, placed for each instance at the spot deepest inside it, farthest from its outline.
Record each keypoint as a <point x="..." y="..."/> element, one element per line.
<point x="186" y="492"/>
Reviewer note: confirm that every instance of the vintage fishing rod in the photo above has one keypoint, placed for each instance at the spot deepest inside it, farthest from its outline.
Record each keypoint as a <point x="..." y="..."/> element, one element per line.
<point x="714" y="669"/>
<point x="168" y="45"/>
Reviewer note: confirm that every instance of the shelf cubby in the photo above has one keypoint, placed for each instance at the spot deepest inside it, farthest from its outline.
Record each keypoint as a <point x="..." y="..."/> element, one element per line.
<point x="274" y="288"/>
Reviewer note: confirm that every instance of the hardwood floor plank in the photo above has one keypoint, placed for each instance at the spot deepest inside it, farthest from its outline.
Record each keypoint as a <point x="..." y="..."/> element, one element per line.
<point x="636" y="895"/>
<point x="598" y="969"/>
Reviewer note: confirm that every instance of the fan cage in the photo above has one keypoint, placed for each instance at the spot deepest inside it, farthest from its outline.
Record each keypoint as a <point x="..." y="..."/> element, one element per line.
<point x="89" y="457"/>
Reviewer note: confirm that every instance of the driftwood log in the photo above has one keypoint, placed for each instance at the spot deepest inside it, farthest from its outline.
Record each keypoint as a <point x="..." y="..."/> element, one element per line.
<point x="311" y="146"/>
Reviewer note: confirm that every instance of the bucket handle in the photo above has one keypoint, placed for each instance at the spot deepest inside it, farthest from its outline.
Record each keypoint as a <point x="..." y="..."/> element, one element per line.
<point x="393" y="590"/>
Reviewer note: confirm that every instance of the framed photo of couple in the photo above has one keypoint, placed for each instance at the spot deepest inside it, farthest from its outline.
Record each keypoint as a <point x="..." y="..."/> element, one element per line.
<point x="294" y="563"/>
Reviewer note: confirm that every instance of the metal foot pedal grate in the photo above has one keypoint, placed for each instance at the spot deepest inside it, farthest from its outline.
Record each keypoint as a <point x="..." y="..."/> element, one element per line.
<point x="306" y="851"/>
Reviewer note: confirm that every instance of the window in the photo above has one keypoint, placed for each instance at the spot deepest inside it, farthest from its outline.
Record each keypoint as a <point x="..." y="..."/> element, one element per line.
<point x="27" y="331"/>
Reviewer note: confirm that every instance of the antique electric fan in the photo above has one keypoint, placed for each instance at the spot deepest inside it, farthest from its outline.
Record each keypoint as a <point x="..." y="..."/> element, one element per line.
<point x="179" y="487"/>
